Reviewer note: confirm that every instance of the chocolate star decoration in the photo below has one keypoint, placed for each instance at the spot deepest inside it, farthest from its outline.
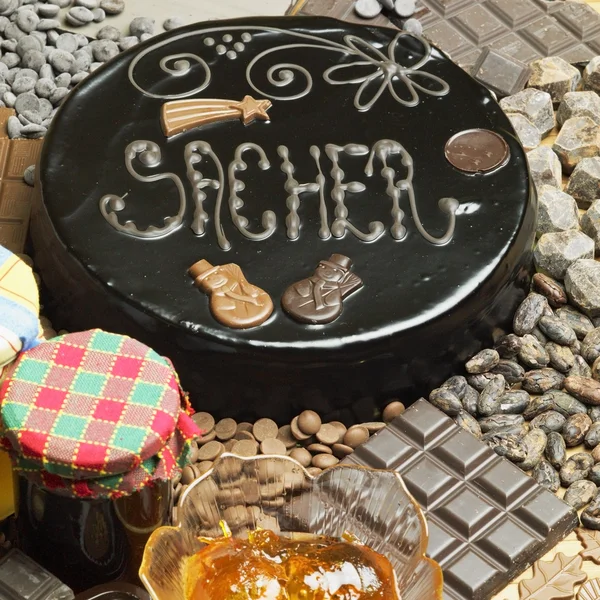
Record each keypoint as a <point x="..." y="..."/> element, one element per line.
<point x="182" y="115"/>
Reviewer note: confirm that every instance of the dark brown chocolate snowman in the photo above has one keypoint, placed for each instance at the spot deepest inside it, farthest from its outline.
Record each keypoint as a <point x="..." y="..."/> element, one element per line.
<point x="319" y="299"/>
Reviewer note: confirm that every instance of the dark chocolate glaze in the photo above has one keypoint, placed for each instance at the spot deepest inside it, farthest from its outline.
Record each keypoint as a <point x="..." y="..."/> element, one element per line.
<point x="422" y="308"/>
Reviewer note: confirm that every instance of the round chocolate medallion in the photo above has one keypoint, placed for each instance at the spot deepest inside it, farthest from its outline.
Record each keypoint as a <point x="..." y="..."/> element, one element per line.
<point x="477" y="150"/>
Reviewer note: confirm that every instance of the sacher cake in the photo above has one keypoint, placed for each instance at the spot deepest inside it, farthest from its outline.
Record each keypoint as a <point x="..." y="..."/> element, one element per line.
<point x="299" y="212"/>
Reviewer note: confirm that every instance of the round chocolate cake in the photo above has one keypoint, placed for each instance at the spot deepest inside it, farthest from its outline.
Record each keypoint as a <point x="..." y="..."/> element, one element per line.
<point x="300" y="213"/>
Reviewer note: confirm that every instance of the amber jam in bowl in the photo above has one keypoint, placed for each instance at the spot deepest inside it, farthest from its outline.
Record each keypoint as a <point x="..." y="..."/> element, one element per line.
<point x="276" y="493"/>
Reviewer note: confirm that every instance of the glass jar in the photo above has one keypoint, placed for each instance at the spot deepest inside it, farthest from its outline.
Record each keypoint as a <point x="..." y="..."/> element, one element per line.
<point x="84" y="542"/>
<point x="7" y="497"/>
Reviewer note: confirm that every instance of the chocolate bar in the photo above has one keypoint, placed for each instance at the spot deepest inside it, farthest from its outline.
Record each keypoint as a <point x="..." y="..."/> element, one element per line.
<point x="488" y="521"/>
<point x="523" y="30"/>
<point x="16" y="197"/>
<point x="23" y="579"/>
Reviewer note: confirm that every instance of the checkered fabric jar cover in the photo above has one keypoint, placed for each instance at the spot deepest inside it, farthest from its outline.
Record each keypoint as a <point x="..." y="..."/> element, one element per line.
<point x="95" y="415"/>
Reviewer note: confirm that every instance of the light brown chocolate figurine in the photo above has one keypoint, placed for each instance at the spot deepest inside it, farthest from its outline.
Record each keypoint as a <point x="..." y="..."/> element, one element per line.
<point x="319" y="299"/>
<point x="233" y="301"/>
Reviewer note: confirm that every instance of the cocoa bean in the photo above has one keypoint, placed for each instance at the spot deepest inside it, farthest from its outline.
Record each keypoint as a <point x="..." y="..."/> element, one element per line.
<point x="557" y="330"/>
<point x="556" y="449"/>
<point x="446" y="400"/>
<point x="511" y="370"/>
<point x="529" y="312"/>
<point x="592" y="437"/>
<point x="575" y="468"/>
<point x="468" y="423"/>
<point x="482" y="362"/>
<point x="457" y="384"/>
<point x="482" y="379"/>
<point x="585" y="389"/>
<point x="550" y="288"/>
<point x="549" y="421"/>
<point x="590" y="347"/>
<point x="469" y="400"/>
<point x="495" y="422"/>
<point x="594" y="413"/>
<point x="513" y="402"/>
<point x="539" y="381"/>
<point x="532" y="353"/>
<point x="580" y="494"/>
<point x="596" y="369"/>
<point x="535" y="444"/>
<point x="565" y="403"/>
<point x="590" y="517"/>
<point x="576" y="320"/>
<point x="538" y="405"/>
<point x="561" y="357"/>
<point x="545" y="474"/>
<point x="580" y="368"/>
<point x="509" y="446"/>
<point x="538" y="334"/>
<point x="575" y="429"/>
<point x="508" y="346"/>
<point x="594" y="474"/>
<point x="489" y="398"/>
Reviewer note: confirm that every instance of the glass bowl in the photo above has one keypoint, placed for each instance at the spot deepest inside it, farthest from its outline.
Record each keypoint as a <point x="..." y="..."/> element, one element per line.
<point x="276" y="493"/>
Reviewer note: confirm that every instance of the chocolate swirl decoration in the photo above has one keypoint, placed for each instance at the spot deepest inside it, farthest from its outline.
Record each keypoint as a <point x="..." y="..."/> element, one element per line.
<point x="148" y="153"/>
<point x="386" y="73"/>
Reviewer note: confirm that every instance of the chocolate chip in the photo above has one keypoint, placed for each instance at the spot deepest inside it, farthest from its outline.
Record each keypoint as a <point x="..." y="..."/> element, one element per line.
<point x="273" y="446"/>
<point x="341" y="429"/>
<point x="225" y="429"/>
<point x="392" y="410"/>
<point x="319" y="449"/>
<point x="244" y="435"/>
<point x="309" y="422"/>
<point x="356" y="435"/>
<point x="285" y="435"/>
<point x="302" y="455"/>
<point x="210" y="451"/>
<point x="265" y="429"/>
<point x="245" y="448"/>
<point x="341" y="450"/>
<point x="204" y="466"/>
<point x="204" y="421"/>
<point x="193" y="455"/>
<point x="209" y="437"/>
<point x="296" y="430"/>
<point x="324" y="461"/>
<point x="329" y="434"/>
<point x="375" y="426"/>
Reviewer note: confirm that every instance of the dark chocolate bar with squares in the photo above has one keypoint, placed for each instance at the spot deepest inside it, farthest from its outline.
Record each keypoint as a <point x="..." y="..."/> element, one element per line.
<point x="522" y="30"/>
<point x="488" y="521"/>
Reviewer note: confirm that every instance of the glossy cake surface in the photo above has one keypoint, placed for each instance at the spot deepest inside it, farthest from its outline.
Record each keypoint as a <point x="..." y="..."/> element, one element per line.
<point x="275" y="145"/>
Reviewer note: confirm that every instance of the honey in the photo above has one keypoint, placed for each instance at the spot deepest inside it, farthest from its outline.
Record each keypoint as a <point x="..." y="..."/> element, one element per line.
<point x="269" y="567"/>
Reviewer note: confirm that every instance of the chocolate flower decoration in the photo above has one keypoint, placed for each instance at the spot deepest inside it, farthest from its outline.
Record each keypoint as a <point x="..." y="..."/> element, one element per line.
<point x="387" y="72"/>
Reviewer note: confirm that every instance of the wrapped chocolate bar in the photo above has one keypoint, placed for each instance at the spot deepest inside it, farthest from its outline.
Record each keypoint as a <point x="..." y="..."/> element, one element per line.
<point x="19" y="329"/>
<point x="23" y="579"/>
<point x="96" y="426"/>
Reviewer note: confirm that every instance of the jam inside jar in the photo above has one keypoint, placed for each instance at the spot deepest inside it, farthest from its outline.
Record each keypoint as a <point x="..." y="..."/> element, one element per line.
<point x="269" y="567"/>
